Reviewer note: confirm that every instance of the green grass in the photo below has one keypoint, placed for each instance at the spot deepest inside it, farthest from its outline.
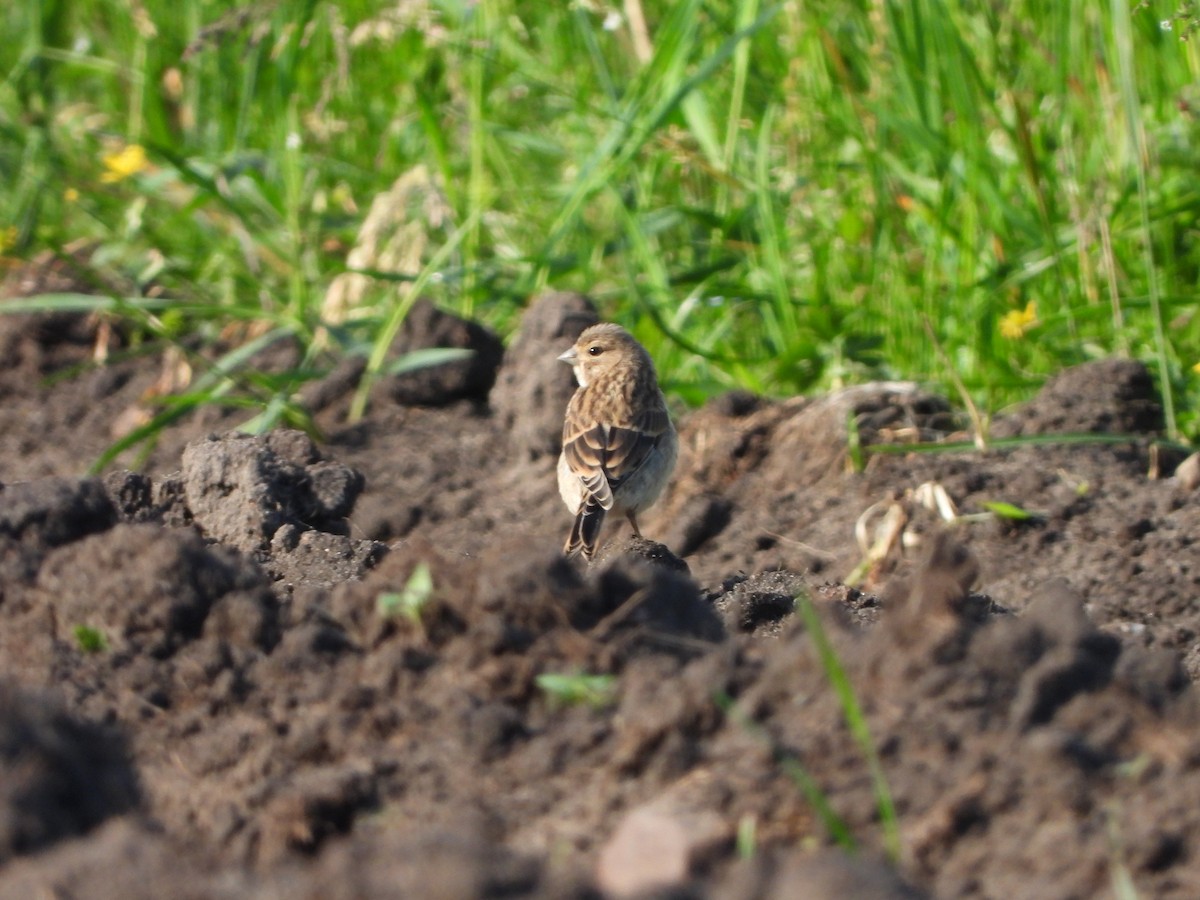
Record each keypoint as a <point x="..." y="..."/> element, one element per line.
<point x="578" y="689"/>
<point x="834" y="825"/>
<point x="790" y="765"/>
<point x="775" y="196"/>
<point x="408" y="603"/>
<point x="89" y="640"/>
<point x="856" y="722"/>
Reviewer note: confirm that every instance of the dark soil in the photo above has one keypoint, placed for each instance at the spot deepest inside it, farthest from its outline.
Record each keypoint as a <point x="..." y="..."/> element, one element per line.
<point x="221" y="677"/>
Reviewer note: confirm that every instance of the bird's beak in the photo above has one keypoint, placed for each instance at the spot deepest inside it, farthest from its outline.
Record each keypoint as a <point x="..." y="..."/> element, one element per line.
<point x="569" y="357"/>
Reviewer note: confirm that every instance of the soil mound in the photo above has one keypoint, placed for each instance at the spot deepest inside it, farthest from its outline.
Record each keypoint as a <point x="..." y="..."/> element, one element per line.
<point x="59" y="776"/>
<point x="365" y="669"/>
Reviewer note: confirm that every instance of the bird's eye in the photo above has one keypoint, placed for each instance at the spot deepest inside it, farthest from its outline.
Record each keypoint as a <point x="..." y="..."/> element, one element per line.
<point x="595" y="350"/>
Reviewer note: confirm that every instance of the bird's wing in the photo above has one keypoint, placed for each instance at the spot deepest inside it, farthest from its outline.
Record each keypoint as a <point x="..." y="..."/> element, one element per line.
<point x="586" y="451"/>
<point x="603" y="456"/>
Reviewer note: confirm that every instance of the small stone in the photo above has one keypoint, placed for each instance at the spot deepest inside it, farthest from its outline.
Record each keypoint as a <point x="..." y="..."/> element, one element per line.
<point x="655" y="848"/>
<point x="1187" y="476"/>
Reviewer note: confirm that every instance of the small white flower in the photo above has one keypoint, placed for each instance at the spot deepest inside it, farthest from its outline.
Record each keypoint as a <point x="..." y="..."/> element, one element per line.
<point x="437" y="278"/>
<point x="292" y="141"/>
<point x="612" y="21"/>
<point x="1166" y="24"/>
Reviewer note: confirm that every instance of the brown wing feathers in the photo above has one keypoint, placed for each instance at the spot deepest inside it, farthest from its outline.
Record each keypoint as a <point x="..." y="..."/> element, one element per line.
<point x="603" y="457"/>
<point x="587" y="454"/>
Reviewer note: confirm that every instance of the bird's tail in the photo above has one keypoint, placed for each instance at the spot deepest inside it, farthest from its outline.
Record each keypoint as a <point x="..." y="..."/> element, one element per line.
<point x="585" y="532"/>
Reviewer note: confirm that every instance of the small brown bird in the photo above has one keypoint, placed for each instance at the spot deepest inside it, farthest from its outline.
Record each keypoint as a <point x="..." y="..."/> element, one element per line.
<point x="619" y="446"/>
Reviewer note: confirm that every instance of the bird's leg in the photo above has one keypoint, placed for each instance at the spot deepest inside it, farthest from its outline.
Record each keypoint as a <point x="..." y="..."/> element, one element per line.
<point x="629" y="514"/>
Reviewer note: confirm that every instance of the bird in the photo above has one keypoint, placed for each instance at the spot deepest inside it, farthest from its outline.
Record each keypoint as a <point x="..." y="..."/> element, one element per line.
<point x="619" y="446"/>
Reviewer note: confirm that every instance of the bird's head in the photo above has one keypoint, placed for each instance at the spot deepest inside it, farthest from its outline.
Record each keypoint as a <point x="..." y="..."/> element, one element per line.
<point x="603" y="349"/>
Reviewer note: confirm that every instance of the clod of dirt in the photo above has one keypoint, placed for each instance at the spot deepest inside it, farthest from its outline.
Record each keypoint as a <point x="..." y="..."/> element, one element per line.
<point x="44" y="342"/>
<point x="1114" y="396"/>
<point x="1156" y="676"/>
<point x="241" y="489"/>
<point x="314" y="806"/>
<point x="636" y="548"/>
<point x="654" y="605"/>
<point x="533" y="388"/>
<point x="59" y="776"/>
<point x="882" y="412"/>
<point x="824" y="875"/>
<point x="760" y="604"/>
<point x="437" y="864"/>
<point x="140" y="499"/>
<point x="126" y="860"/>
<point x="37" y="516"/>
<point x="132" y="495"/>
<point x="937" y="604"/>
<point x="531" y="594"/>
<point x="146" y="589"/>
<point x="1075" y="657"/>
<point x="700" y="518"/>
<point x="169" y="502"/>
<point x="317" y="559"/>
<point x="426" y="327"/>
<point x="54" y="511"/>
<point x="151" y="867"/>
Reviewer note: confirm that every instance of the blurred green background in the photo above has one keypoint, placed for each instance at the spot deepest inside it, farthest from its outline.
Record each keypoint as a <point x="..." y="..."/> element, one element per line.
<point x="783" y="197"/>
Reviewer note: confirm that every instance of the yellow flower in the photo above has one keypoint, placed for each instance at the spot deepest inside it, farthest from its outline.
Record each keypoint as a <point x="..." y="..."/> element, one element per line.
<point x="1016" y="323"/>
<point x="1196" y="368"/>
<point x="71" y="195"/>
<point x="129" y="160"/>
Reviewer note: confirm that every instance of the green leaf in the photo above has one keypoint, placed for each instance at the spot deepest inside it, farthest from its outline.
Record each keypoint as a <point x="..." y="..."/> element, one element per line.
<point x="409" y="602"/>
<point x="579" y="688"/>
<point x="82" y="303"/>
<point x="89" y="640"/>
<point x="856" y="721"/>
<point x="427" y="358"/>
<point x="1007" y="510"/>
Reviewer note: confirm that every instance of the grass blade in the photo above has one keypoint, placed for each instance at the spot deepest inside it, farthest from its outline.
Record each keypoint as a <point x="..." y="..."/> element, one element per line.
<point x="391" y="327"/>
<point x="834" y="824"/>
<point x="856" y="721"/>
<point x="1122" y="35"/>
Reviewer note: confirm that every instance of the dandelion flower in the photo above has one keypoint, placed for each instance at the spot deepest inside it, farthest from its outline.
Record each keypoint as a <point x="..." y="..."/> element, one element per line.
<point x="1016" y="323"/>
<point x="127" y="161"/>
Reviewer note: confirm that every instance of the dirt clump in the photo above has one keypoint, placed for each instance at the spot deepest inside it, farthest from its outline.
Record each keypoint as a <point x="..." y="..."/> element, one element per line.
<point x="428" y="328"/>
<point x="1112" y="396"/>
<point x="54" y="511"/>
<point x="530" y="394"/>
<point x="275" y="498"/>
<point x="115" y="581"/>
<point x="241" y="489"/>
<point x="60" y="776"/>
